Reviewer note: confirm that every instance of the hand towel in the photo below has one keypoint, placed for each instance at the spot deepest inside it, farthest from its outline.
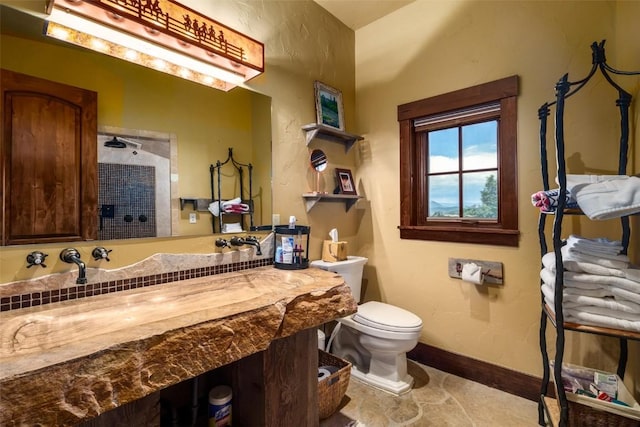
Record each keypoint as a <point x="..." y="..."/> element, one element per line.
<point x="609" y="199"/>
<point x="214" y="208"/>
<point x="547" y="200"/>
<point x="573" y="180"/>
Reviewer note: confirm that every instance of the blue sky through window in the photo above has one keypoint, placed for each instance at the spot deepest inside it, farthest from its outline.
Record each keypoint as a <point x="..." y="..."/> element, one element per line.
<point x="479" y="151"/>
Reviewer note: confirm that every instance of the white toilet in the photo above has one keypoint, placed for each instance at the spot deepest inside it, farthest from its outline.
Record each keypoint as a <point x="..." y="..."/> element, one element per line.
<point x="376" y="338"/>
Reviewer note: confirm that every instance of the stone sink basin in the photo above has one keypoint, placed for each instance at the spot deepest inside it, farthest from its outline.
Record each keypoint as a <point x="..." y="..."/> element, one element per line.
<point x="37" y="336"/>
<point x="67" y="362"/>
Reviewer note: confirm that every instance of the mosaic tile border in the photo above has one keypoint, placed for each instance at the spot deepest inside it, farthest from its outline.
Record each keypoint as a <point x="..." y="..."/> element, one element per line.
<point x="33" y="299"/>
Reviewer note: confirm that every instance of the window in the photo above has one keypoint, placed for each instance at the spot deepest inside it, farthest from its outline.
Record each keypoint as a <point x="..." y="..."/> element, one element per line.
<point x="458" y="166"/>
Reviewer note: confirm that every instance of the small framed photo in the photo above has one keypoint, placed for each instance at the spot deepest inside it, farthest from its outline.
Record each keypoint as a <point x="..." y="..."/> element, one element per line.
<point x="329" y="110"/>
<point x="345" y="181"/>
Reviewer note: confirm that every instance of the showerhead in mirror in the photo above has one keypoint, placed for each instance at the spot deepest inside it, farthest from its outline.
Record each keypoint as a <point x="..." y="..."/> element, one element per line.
<point x="319" y="163"/>
<point x="115" y="143"/>
<point x="120" y="142"/>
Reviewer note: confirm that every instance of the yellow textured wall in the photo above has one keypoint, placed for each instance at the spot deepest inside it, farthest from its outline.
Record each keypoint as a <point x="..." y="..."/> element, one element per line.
<point x="303" y="43"/>
<point x="426" y="48"/>
<point x="433" y="47"/>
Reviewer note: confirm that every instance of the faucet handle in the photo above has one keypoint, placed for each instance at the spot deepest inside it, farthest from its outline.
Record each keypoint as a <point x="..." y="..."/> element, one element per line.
<point x="222" y="243"/>
<point x="101" y="253"/>
<point x="36" y="258"/>
<point x="236" y="241"/>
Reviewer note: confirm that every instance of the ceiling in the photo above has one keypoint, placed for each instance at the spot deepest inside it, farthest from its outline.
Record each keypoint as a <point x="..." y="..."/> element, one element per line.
<point x="358" y="13"/>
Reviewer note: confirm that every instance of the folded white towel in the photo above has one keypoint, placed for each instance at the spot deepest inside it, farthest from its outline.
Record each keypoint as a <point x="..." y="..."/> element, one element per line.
<point x="231" y="202"/>
<point x="581" y="316"/>
<point x="571" y="300"/>
<point x="599" y="319"/>
<point x="620" y="282"/>
<point x="618" y="261"/>
<point x="549" y="278"/>
<point x="609" y="199"/>
<point x="233" y="227"/>
<point x="214" y="208"/>
<point x="573" y="180"/>
<point x="549" y="261"/>
<point x="595" y="247"/>
<point x="589" y="286"/>
<point x="632" y="274"/>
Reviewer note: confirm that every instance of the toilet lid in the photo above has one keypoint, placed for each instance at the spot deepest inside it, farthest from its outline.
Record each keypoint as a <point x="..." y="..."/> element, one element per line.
<point x="387" y="317"/>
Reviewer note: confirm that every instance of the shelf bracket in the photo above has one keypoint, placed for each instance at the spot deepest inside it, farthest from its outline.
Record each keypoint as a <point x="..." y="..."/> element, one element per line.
<point x="310" y="202"/>
<point x="349" y="203"/>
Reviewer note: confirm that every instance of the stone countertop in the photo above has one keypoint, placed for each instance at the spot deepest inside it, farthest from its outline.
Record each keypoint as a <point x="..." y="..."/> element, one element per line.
<point x="67" y="362"/>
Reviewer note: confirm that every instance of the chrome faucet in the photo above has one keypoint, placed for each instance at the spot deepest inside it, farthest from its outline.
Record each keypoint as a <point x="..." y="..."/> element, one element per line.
<point x="72" y="256"/>
<point x="250" y="240"/>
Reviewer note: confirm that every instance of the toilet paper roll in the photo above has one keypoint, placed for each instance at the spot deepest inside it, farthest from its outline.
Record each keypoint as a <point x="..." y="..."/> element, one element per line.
<point x="323" y="373"/>
<point x="472" y="273"/>
<point x="330" y="368"/>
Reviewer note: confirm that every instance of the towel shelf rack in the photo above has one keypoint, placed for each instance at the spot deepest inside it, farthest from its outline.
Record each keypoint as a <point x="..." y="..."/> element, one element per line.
<point x="564" y="90"/>
<point x="245" y="219"/>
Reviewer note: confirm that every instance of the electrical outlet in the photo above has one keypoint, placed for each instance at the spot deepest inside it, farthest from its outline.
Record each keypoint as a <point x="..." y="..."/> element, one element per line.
<point x="275" y="219"/>
<point x="193" y="218"/>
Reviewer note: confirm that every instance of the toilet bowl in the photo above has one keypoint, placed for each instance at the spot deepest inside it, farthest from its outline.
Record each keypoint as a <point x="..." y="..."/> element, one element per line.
<point x="376" y="338"/>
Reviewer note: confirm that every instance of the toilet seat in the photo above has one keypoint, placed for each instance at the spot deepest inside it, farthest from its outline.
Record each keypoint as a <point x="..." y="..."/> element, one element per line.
<point x="387" y="317"/>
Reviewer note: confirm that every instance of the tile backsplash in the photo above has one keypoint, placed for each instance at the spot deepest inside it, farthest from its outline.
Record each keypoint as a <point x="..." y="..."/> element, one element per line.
<point x="154" y="270"/>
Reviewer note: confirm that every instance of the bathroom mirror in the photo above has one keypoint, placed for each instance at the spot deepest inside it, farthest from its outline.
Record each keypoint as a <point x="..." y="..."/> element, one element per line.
<point x="202" y="123"/>
<point x="319" y="163"/>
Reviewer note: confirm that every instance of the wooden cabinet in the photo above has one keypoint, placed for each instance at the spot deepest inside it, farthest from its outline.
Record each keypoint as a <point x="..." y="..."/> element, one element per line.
<point x="49" y="161"/>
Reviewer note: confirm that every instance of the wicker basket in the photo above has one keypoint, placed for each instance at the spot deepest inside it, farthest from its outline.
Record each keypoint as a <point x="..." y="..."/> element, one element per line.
<point x="590" y="412"/>
<point x="585" y="413"/>
<point x="332" y="389"/>
<point x="586" y="416"/>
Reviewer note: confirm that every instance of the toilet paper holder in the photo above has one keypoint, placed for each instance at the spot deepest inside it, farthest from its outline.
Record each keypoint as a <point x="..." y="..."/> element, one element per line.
<point x="492" y="271"/>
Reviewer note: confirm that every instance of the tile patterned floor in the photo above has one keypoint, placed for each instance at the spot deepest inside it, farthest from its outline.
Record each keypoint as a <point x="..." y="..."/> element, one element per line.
<point x="437" y="399"/>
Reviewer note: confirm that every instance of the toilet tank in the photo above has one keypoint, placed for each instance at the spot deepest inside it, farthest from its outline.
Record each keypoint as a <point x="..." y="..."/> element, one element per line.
<point x="350" y="270"/>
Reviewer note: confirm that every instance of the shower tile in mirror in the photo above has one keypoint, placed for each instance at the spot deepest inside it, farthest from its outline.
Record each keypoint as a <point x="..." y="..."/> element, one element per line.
<point x="126" y="201"/>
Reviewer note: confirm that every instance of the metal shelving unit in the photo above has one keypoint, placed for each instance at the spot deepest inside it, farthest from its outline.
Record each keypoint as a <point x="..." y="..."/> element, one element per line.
<point x="565" y="89"/>
<point x="246" y="199"/>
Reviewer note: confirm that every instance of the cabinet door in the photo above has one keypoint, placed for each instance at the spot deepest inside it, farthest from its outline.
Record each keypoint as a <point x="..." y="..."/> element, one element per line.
<point x="49" y="161"/>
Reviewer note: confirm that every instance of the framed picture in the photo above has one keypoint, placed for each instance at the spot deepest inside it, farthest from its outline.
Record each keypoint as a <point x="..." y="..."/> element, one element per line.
<point x="329" y="110"/>
<point x="345" y="181"/>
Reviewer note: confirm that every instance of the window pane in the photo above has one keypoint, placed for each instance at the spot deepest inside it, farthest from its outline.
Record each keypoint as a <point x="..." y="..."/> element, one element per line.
<point x="479" y="146"/>
<point x="443" y="150"/>
<point x="443" y="196"/>
<point x="480" y="195"/>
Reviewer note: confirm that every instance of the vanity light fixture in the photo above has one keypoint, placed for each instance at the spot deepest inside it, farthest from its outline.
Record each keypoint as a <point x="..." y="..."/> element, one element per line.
<point x="159" y="34"/>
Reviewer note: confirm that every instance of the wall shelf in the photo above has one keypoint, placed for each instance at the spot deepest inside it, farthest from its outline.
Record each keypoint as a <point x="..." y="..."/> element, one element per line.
<point x="200" y="205"/>
<point x="311" y="199"/>
<point x="327" y="133"/>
